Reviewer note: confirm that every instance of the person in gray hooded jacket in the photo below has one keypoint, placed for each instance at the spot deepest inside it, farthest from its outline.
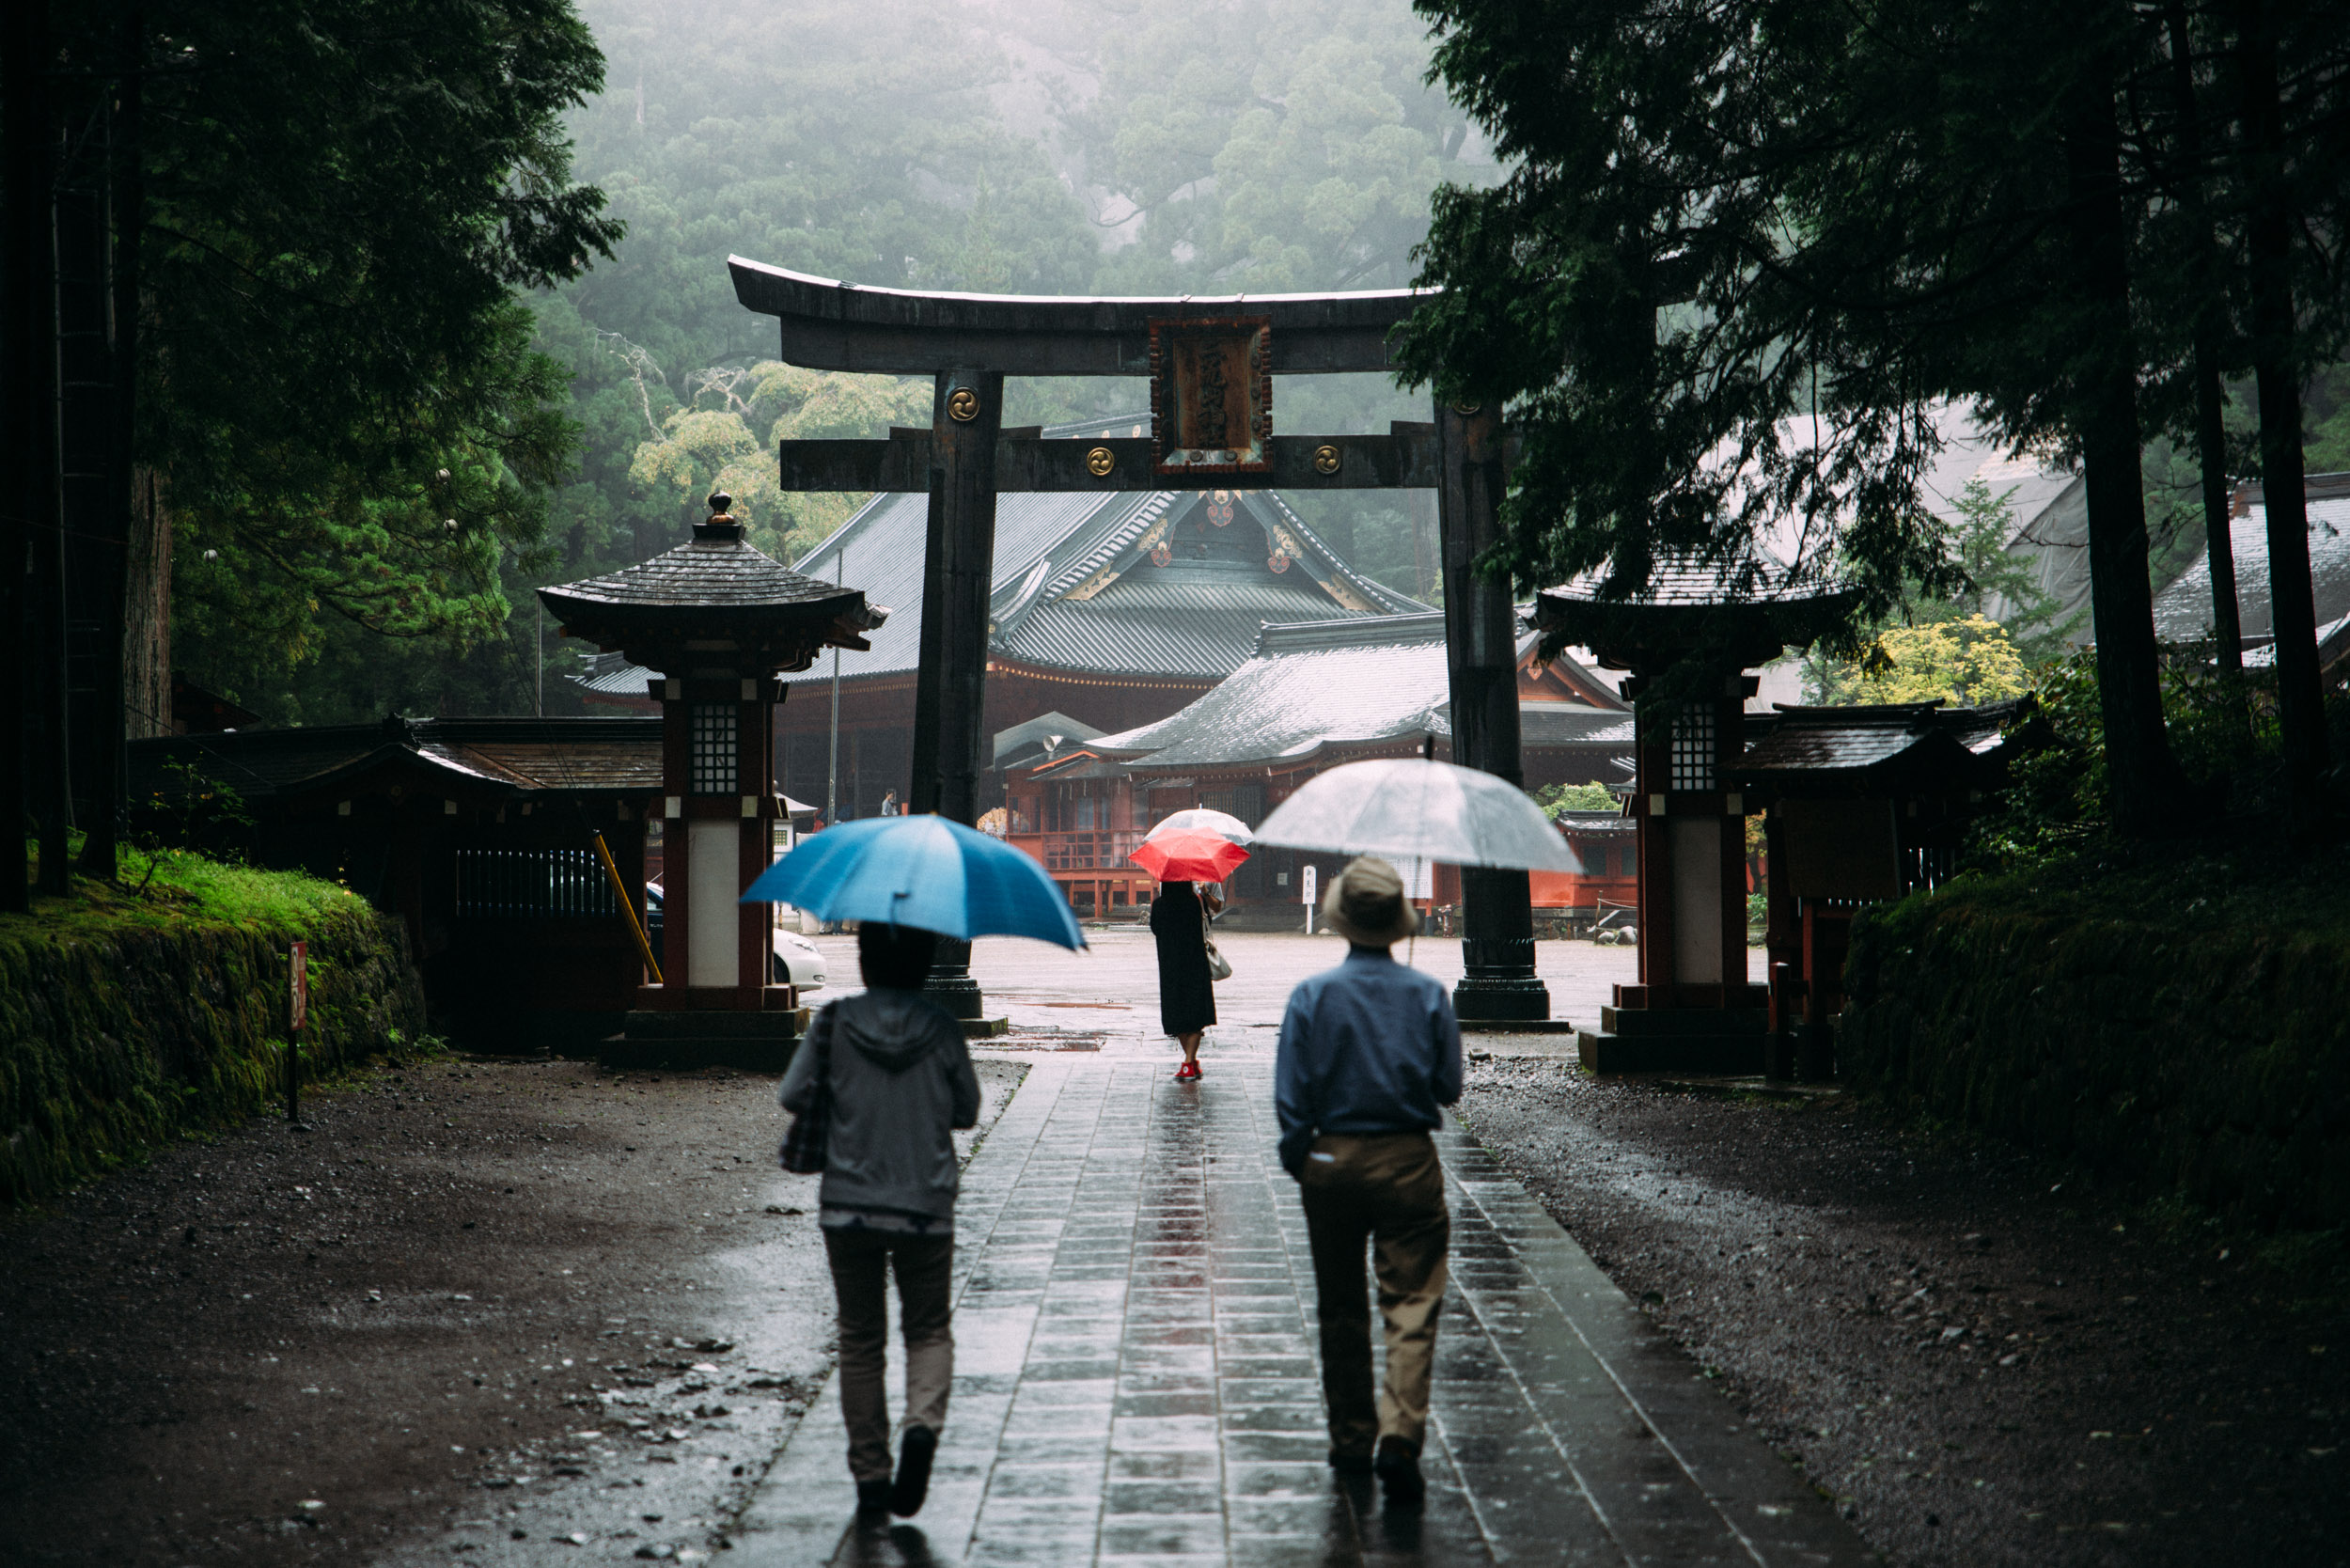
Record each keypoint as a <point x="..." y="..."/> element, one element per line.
<point x="901" y="1082"/>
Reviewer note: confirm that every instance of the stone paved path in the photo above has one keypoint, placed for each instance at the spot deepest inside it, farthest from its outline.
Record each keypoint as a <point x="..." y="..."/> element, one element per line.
<point x="1136" y="1375"/>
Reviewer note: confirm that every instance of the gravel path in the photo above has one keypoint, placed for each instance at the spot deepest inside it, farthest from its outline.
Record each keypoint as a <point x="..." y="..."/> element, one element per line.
<point x="1981" y="1366"/>
<point x="515" y="1311"/>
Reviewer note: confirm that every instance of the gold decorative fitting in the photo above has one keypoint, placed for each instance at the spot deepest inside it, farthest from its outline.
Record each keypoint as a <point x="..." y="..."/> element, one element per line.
<point x="1326" y="459"/>
<point x="1100" y="461"/>
<point x="1468" y="410"/>
<point x="962" y="405"/>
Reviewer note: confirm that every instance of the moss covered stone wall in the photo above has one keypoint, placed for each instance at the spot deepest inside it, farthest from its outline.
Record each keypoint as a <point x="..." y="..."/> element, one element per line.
<point x="120" y="1028"/>
<point x="2208" y="1063"/>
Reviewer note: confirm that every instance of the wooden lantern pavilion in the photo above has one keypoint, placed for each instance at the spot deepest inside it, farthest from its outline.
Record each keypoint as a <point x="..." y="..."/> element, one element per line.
<point x="722" y="620"/>
<point x="1687" y="641"/>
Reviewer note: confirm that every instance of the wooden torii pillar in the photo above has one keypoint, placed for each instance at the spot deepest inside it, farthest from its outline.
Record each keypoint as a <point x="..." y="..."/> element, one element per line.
<point x="1211" y="364"/>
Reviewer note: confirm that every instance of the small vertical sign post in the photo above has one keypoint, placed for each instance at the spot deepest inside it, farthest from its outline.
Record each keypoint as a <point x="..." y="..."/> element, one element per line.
<point x="297" y="1014"/>
<point x="1308" y="880"/>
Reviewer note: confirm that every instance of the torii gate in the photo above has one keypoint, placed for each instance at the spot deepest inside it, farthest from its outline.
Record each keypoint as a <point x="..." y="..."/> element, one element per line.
<point x="1211" y="363"/>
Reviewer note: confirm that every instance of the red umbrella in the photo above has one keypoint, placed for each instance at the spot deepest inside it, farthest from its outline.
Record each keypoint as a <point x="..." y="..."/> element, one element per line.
<point x="1194" y="857"/>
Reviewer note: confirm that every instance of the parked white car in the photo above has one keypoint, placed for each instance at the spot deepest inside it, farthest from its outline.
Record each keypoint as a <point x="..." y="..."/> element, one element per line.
<point x="796" y="960"/>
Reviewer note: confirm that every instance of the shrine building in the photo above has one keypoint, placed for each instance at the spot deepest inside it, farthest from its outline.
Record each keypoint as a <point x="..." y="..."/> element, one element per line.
<point x="1310" y="697"/>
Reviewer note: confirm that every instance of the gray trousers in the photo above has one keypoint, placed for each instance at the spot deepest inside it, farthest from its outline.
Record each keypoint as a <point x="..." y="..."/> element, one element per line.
<point x="925" y="1268"/>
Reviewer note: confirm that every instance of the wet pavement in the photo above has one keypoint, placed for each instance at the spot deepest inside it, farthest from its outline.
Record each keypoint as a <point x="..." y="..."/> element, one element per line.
<point x="1112" y="990"/>
<point x="1135" y="1373"/>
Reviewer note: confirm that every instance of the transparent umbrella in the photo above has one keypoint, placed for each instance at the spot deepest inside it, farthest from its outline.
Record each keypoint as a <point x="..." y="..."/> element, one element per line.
<point x="1410" y="810"/>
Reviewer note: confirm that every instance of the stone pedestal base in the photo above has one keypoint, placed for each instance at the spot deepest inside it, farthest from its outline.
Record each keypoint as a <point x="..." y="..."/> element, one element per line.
<point x="1516" y="1001"/>
<point x="754" y="1042"/>
<point x="1728" y="1040"/>
<point x="950" y="986"/>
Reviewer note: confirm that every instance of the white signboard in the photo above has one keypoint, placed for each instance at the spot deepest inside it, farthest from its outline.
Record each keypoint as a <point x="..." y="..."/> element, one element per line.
<point x="1308" y="880"/>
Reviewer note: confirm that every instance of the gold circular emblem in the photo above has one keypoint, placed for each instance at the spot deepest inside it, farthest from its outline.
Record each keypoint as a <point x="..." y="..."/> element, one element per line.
<point x="1100" y="461"/>
<point x="1468" y="410"/>
<point x="1326" y="459"/>
<point x="963" y="405"/>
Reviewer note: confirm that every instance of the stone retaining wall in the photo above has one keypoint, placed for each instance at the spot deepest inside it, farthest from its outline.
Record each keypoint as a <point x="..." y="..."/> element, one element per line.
<point x="113" y="1043"/>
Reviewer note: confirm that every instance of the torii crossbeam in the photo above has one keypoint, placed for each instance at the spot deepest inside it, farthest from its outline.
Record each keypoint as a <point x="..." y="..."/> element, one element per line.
<point x="1210" y="362"/>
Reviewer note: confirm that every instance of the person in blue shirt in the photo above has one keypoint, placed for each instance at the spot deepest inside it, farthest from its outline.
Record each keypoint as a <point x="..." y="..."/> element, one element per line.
<point x="1369" y="1051"/>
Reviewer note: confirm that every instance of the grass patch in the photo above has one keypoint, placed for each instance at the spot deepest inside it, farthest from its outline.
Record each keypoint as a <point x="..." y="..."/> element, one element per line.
<point x="170" y="887"/>
<point x="133" y="1013"/>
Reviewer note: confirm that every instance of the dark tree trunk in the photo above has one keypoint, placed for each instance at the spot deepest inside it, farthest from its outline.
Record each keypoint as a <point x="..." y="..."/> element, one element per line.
<point x="2142" y="778"/>
<point x="33" y="433"/>
<point x="2293" y="606"/>
<point x="108" y="711"/>
<point x="2210" y="431"/>
<point x="146" y="612"/>
<point x="23" y="30"/>
<point x="2211" y="457"/>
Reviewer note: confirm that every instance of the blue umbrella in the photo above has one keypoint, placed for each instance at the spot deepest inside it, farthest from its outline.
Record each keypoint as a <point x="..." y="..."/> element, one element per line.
<point x="924" y="871"/>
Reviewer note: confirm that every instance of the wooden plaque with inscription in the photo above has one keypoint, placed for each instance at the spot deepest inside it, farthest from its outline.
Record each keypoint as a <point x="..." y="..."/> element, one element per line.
<point x="1212" y="395"/>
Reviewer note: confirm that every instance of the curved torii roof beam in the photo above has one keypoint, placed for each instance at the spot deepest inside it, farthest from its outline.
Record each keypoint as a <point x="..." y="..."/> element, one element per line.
<point x="831" y="325"/>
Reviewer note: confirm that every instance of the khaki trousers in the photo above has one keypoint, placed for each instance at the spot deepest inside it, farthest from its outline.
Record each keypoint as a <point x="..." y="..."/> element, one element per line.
<point x="1388" y="1189"/>
<point x="925" y="1266"/>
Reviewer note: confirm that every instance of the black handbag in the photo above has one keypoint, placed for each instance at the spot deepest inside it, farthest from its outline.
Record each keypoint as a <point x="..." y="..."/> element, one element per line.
<point x="805" y="1141"/>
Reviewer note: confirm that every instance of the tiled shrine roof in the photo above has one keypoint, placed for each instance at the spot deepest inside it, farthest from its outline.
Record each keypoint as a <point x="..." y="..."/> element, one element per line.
<point x="495" y="755"/>
<point x="2182" y="610"/>
<point x="1082" y="585"/>
<point x="1361" y="682"/>
<point x="1849" y="740"/>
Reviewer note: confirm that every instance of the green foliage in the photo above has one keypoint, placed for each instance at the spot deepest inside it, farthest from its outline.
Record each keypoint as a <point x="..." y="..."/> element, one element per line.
<point x="1268" y="147"/>
<point x="1556" y="799"/>
<point x="130" y="1018"/>
<point x="1963" y="663"/>
<point x="1610" y="290"/>
<point x="1945" y="645"/>
<point x="717" y="443"/>
<point x="2174" y="1023"/>
<point x="1746" y="251"/>
<point x="341" y="399"/>
<point x="2223" y="729"/>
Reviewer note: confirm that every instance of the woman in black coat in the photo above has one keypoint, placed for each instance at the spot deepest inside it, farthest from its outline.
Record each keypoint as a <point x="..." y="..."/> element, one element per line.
<point x="1187" y="995"/>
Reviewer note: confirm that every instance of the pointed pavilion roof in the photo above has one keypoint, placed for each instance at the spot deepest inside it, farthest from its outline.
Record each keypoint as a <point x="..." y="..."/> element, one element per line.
<point x="716" y="595"/>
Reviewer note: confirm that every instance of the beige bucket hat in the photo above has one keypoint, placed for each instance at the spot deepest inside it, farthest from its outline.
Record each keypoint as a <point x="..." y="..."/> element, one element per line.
<point x="1367" y="906"/>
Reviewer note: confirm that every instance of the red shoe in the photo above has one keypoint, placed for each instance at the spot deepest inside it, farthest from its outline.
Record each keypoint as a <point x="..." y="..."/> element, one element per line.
<point x="1188" y="1069"/>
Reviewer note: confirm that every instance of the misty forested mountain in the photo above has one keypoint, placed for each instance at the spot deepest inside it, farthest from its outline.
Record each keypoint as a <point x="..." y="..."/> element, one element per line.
<point x="1083" y="146"/>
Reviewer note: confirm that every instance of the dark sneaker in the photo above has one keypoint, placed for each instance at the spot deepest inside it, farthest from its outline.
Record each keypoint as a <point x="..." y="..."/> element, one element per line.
<point x="1397" y="1465"/>
<point x="1349" y="1463"/>
<point x="873" y="1497"/>
<point x="913" y="1471"/>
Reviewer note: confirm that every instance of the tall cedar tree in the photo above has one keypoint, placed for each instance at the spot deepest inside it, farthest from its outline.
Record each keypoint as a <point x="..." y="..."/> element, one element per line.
<point x="1727" y="217"/>
<point x="345" y="202"/>
<point x="2283" y="68"/>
